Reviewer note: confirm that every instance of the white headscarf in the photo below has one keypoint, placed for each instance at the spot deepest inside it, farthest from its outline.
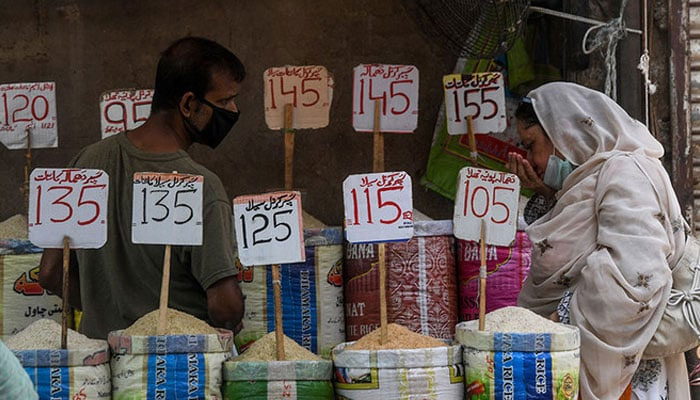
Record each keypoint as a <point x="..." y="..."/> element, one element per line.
<point x="610" y="239"/>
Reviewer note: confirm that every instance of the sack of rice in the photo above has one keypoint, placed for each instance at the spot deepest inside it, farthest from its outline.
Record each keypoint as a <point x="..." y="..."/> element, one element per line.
<point x="81" y="371"/>
<point x="507" y="268"/>
<point x="14" y="237"/>
<point x="312" y="296"/>
<point x="423" y="368"/>
<point x="421" y="283"/>
<point x="185" y="364"/>
<point x="520" y="354"/>
<point x="256" y="375"/>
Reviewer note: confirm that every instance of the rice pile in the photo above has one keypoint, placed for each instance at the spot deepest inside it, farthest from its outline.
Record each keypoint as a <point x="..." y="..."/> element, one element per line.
<point x="46" y="334"/>
<point x="14" y="227"/>
<point x="399" y="337"/>
<point x="311" y="222"/>
<point x="179" y="323"/>
<point x="521" y="320"/>
<point x="264" y="349"/>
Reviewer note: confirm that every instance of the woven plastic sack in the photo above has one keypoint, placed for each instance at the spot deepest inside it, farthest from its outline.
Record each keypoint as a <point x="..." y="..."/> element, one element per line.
<point x="168" y="367"/>
<point x="520" y="365"/>
<point x="312" y="296"/>
<point x="307" y="380"/>
<point x="421" y="283"/>
<point x="22" y="299"/>
<point x="506" y="268"/>
<point x="73" y="374"/>
<point x="433" y="373"/>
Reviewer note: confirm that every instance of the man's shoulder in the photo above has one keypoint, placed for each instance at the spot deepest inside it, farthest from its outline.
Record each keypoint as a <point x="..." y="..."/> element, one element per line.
<point x="96" y="153"/>
<point x="212" y="182"/>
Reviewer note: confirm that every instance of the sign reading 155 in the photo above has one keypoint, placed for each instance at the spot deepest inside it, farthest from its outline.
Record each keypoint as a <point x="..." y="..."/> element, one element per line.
<point x="480" y="96"/>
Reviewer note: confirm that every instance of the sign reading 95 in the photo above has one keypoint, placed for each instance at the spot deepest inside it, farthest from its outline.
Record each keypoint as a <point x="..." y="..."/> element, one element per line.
<point x="396" y="86"/>
<point x="269" y="228"/>
<point x="491" y="196"/>
<point x="167" y="209"/>
<point x="481" y="96"/>
<point x="68" y="202"/>
<point x="378" y="207"/>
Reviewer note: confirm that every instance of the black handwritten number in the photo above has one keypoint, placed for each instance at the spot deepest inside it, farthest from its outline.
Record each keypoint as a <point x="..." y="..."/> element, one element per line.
<point x="245" y="232"/>
<point x="284" y="224"/>
<point x="493" y="103"/>
<point x="467" y="103"/>
<point x="143" y="209"/>
<point x="60" y="201"/>
<point x="266" y="222"/>
<point x="177" y="204"/>
<point x="158" y="203"/>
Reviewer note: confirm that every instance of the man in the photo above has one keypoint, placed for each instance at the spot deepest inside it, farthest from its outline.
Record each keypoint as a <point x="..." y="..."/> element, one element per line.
<point x="197" y="81"/>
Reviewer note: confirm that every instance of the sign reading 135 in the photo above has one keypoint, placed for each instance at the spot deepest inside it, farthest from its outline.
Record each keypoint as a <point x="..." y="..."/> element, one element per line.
<point x="378" y="207"/>
<point x="491" y="196"/>
<point x="68" y="202"/>
<point x="481" y="96"/>
<point x="396" y="86"/>
<point x="269" y="228"/>
<point x="167" y="209"/>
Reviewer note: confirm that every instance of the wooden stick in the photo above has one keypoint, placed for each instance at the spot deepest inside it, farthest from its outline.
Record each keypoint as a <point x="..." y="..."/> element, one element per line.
<point x="66" y="292"/>
<point x="472" y="139"/>
<point x="162" y="328"/>
<point x="382" y="294"/>
<point x="482" y="279"/>
<point x="279" y="328"/>
<point x="288" y="147"/>
<point x="378" y="163"/>
<point x="27" y="169"/>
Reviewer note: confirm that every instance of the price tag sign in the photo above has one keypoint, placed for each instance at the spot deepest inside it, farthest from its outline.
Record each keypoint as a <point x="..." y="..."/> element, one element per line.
<point x="167" y="209"/>
<point x="397" y="88"/>
<point x="492" y="196"/>
<point x="269" y="228"/>
<point x="378" y="207"/>
<point x="123" y="110"/>
<point x="28" y="106"/>
<point x="68" y="202"/>
<point x="307" y="88"/>
<point x="481" y="96"/>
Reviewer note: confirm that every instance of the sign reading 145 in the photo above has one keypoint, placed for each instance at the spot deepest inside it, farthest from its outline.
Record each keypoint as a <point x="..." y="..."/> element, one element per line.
<point x="269" y="228"/>
<point x="378" y="207"/>
<point x="167" y="209"/>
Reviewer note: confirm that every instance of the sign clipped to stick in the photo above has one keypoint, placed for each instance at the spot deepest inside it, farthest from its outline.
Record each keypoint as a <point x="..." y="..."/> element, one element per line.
<point x="378" y="207"/>
<point x="307" y="88"/>
<point x="124" y="109"/>
<point x="167" y="209"/>
<point x="28" y="106"/>
<point x="68" y="202"/>
<point x="269" y="229"/>
<point x="480" y="96"/>
<point x="396" y="86"/>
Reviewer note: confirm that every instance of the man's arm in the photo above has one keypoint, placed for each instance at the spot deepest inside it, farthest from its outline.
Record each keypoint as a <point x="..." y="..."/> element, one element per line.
<point x="225" y="303"/>
<point x="51" y="275"/>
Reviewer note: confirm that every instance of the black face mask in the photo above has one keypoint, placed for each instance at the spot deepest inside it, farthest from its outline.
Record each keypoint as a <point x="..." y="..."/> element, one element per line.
<point x="216" y="129"/>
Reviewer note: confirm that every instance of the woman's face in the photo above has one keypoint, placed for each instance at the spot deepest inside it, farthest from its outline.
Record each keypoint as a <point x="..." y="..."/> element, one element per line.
<point x="537" y="144"/>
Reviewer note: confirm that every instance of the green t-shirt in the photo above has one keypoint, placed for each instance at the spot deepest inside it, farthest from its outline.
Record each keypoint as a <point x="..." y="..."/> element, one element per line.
<point x="120" y="282"/>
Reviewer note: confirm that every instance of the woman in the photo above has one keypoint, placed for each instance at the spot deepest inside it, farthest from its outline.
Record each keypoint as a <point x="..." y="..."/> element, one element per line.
<point x="602" y="254"/>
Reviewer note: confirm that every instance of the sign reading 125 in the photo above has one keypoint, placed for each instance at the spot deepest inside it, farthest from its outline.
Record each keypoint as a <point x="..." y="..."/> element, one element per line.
<point x="68" y="202"/>
<point x="378" y="207"/>
<point x="269" y="228"/>
<point x="167" y="209"/>
<point x="491" y="196"/>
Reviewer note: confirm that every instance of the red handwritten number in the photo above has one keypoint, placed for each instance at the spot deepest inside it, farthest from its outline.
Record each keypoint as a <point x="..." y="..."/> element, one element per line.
<point x="60" y="201"/>
<point x="38" y="206"/>
<point x="466" y="194"/>
<point x="272" y="93"/>
<point x="89" y="202"/>
<point x="7" y="113"/>
<point x="24" y="107"/>
<point x="393" y="94"/>
<point x="305" y="90"/>
<point x="382" y="97"/>
<point x="490" y="201"/>
<point x="382" y="204"/>
<point x="354" y="207"/>
<point x="46" y="108"/>
<point x="134" y="110"/>
<point x="369" y="207"/>
<point x="500" y="203"/>
<point x="293" y="91"/>
<point x="486" y="204"/>
<point x="116" y="121"/>
<point x="362" y="96"/>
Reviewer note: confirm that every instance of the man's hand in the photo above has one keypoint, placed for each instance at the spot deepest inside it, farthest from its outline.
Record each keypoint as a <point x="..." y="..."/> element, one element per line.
<point x="51" y="275"/>
<point x="225" y="303"/>
<point x="528" y="177"/>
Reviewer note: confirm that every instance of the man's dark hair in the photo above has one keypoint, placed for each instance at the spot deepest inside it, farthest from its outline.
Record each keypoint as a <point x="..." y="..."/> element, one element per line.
<point x="526" y="113"/>
<point x="187" y="66"/>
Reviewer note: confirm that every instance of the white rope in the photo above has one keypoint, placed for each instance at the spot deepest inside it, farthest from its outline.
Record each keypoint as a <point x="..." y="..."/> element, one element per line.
<point x="608" y="34"/>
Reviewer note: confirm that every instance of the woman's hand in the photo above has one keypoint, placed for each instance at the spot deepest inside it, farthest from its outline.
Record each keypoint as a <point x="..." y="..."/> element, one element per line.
<point x="528" y="177"/>
<point x="554" y="316"/>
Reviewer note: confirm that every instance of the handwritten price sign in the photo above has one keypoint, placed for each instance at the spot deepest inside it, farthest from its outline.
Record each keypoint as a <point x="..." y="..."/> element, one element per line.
<point x="28" y="106"/>
<point x="481" y="96"/>
<point x="68" y="202"/>
<point x="167" y="209"/>
<point x="307" y="88"/>
<point x="269" y="229"/>
<point x="378" y="207"/>
<point x="123" y="110"/>
<point x="397" y="88"/>
<point x="487" y="195"/>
